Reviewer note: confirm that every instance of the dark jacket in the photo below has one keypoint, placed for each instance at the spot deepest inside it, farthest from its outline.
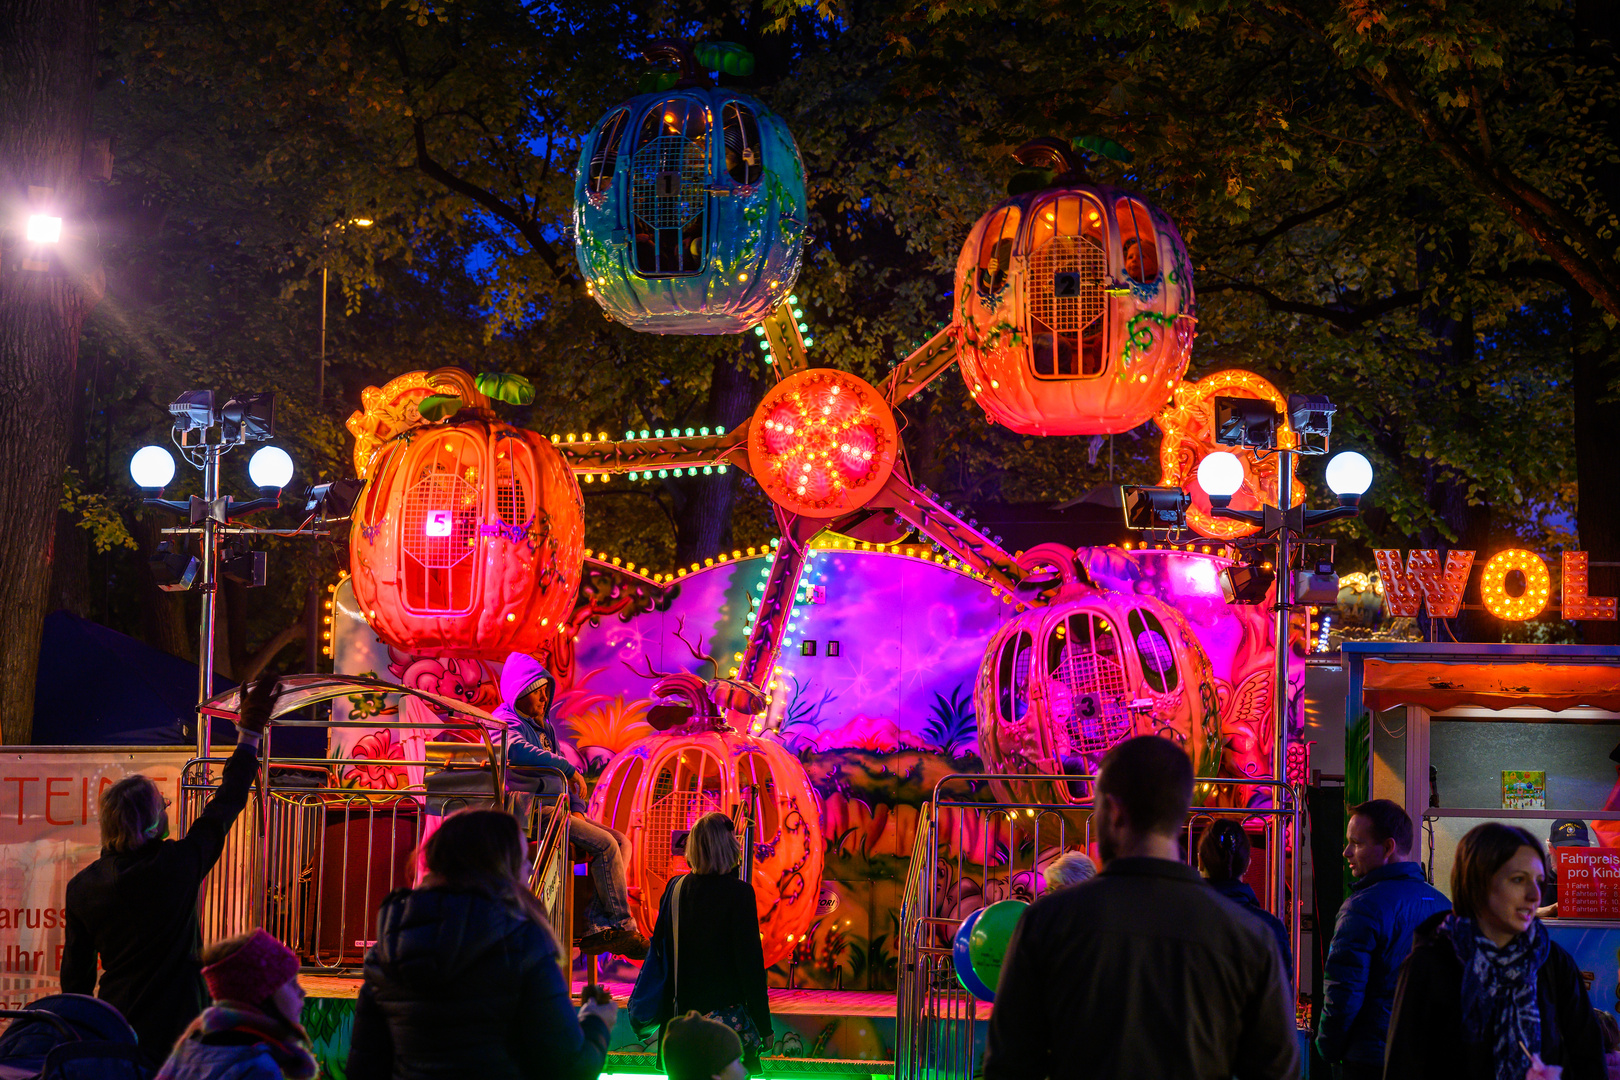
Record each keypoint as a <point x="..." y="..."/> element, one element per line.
<point x="1143" y="971"/>
<point x="1426" y="1033"/>
<point x="722" y="962"/>
<point x="530" y="740"/>
<point x="193" y="1060"/>
<point x="1240" y="894"/>
<point x="1371" y="937"/>
<point x="137" y="911"/>
<point x="460" y="985"/>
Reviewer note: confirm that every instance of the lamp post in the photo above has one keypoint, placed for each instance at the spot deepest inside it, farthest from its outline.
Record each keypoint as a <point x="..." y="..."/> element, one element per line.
<point x="1283" y="528"/>
<point x="204" y="434"/>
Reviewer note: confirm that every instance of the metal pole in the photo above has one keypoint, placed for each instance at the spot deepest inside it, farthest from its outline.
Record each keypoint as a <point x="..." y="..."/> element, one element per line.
<point x="205" y="643"/>
<point x="320" y="374"/>
<point x="1279" y="720"/>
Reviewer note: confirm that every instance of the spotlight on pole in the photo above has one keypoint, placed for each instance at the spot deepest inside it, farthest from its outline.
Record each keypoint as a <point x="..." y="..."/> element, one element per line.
<point x="1247" y="582"/>
<point x="332" y="501"/>
<point x="175" y="571"/>
<point x="1245" y="422"/>
<point x="1154" y="507"/>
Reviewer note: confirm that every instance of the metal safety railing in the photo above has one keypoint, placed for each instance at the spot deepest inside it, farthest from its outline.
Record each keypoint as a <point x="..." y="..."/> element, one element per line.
<point x="311" y="860"/>
<point x="994" y="851"/>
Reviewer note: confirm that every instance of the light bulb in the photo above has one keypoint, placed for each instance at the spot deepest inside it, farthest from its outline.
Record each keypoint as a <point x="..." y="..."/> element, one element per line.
<point x="1349" y="474"/>
<point x="152" y="467"/>
<point x="270" y="467"/>
<point x="1220" y="473"/>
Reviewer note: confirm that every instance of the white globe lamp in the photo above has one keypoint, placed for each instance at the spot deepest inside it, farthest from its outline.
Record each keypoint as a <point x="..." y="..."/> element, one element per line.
<point x="152" y="468"/>
<point x="1220" y="475"/>
<point x="271" y="468"/>
<point x="1349" y="475"/>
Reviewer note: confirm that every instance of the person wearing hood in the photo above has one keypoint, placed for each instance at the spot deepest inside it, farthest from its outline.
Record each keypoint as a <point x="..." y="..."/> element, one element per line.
<point x="465" y="978"/>
<point x="1223" y="855"/>
<point x="526" y="693"/>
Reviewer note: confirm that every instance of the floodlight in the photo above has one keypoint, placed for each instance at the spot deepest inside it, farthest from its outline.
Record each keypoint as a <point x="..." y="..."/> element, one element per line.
<point x="1245" y="422"/>
<point x="1322" y="587"/>
<point x="1349" y="475"/>
<point x="1220" y="475"/>
<point x="1154" y="507"/>
<point x="174" y="570"/>
<point x="1247" y="583"/>
<point x="334" y="500"/>
<point x="244" y="566"/>
<point x="152" y="468"/>
<point x="193" y="410"/>
<point x="249" y="418"/>
<point x="1311" y="414"/>
<point x="270" y="468"/>
<point x="44" y="229"/>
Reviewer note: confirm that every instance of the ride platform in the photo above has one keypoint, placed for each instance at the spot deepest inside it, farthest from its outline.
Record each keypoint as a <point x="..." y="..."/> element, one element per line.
<point x="832" y="1033"/>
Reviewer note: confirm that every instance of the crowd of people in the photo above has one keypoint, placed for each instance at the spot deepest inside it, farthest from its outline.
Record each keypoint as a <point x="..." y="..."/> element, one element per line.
<point x="1148" y="967"/>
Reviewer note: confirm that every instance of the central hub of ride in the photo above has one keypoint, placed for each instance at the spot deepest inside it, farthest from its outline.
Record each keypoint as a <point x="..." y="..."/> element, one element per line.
<point x="822" y="443"/>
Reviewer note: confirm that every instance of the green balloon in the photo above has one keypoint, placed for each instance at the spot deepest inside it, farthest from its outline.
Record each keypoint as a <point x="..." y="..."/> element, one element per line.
<point x="987" y="948"/>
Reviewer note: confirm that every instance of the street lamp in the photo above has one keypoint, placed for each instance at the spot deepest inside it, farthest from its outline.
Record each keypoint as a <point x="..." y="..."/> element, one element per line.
<point x="43" y="229"/>
<point x="204" y="432"/>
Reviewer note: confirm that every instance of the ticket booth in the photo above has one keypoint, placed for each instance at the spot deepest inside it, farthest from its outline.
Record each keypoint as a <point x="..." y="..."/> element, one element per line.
<point x="1527" y="734"/>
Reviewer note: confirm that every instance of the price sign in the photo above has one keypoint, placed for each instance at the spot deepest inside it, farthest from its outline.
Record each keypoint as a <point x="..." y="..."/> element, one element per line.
<point x="1588" y="882"/>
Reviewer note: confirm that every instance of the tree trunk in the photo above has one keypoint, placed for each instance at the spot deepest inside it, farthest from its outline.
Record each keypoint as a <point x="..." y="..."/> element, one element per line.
<point x="1597" y="417"/>
<point x="47" y="73"/>
<point x="703" y="514"/>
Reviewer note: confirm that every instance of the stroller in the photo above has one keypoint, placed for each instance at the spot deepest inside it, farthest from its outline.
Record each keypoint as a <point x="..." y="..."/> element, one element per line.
<point x="70" y="1037"/>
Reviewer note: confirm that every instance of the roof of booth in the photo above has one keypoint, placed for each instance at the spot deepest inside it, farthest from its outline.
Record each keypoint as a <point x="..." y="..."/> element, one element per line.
<point x="1493" y="677"/>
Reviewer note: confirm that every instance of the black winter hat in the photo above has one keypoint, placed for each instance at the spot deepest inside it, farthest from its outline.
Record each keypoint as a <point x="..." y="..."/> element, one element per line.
<point x="697" y="1048"/>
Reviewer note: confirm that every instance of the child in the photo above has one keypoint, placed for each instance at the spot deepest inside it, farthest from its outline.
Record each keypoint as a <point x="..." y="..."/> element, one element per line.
<point x="251" y="1032"/>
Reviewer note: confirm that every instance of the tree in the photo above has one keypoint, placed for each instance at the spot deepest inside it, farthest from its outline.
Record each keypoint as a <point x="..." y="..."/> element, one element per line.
<point x="47" y="70"/>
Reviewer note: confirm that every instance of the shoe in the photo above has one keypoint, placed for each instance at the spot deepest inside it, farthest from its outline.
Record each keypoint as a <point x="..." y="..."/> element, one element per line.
<point x="628" y="944"/>
<point x="596" y="942"/>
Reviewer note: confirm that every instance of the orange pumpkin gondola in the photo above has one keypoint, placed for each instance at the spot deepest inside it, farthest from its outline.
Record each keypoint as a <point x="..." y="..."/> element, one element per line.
<point x="1074" y="307"/>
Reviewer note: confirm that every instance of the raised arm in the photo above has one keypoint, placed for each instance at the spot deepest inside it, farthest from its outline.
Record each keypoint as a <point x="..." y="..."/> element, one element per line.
<point x="205" y="837"/>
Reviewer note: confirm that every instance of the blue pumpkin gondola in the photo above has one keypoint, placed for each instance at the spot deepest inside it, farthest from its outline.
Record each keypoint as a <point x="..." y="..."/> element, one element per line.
<point x="689" y="208"/>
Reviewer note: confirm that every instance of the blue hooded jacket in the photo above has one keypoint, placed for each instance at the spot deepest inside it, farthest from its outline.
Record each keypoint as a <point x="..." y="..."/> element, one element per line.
<point x="530" y="740"/>
<point x="1371" y="938"/>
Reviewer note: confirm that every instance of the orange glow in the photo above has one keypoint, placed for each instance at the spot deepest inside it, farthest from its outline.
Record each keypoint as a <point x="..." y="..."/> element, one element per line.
<point x="1576" y="603"/>
<point x="822" y="443"/>
<point x="1421" y="581"/>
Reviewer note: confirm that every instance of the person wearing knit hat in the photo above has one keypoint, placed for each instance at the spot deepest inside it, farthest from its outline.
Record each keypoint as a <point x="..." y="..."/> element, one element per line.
<point x="252" y="1031"/>
<point x="697" y="1048"/>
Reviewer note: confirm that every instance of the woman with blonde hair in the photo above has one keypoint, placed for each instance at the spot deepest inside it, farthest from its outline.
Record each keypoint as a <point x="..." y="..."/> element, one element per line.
<point x="466" y="977"/>
<point x="706" y="954"/>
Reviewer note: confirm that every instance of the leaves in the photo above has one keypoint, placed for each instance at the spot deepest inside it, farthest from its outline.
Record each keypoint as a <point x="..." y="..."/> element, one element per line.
<point x="505" y="386"/>
<point x="437" y="407"/>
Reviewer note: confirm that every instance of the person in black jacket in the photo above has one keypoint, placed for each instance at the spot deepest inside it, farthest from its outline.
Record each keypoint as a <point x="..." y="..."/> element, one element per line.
<point x="718" y="966"/>
<point x="1486" y="994"/>
<point x="136" y="907"/>
<point x="466" y="978"/>
<point x="1223" y="855"/>
<point x="1142" y="971"/>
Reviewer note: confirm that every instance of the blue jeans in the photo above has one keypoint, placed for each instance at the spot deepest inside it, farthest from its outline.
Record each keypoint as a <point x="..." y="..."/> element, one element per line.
<point x="611" y="908"/>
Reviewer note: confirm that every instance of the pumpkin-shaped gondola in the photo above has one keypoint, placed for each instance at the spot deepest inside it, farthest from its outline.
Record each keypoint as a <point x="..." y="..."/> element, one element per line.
<point x="661" y="785"/>
<point x="1074" y="306"/>
<point x="689" y="208"/>
<point x="469" y="537"/>
<point x="1061" y="684"/>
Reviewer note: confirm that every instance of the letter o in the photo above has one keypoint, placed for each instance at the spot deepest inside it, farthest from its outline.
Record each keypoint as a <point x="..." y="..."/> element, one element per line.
<point x="1537" y="585"/>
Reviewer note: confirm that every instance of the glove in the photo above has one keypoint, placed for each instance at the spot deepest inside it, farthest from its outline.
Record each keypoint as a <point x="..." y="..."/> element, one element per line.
<point x="257" y="700"/>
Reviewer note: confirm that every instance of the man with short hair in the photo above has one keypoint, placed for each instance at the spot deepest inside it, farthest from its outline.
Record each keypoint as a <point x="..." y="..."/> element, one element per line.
<point x="135" y="908"/>
<point x="1371" y="937"/>
<point x="1144" y="971"/>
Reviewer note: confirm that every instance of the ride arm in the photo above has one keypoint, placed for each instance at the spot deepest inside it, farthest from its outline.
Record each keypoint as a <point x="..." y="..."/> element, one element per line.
<point x="922" y="367"/>
<point x="627" y="455"/>
<point x="787" y="346"/>
<point x="950" y="532"/>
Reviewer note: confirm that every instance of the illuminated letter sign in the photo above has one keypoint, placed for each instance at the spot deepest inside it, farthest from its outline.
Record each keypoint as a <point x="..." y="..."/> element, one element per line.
<point x="1577" y="605"/>
<point x="1537" y="585"/>
<point x="1421" y="580"/>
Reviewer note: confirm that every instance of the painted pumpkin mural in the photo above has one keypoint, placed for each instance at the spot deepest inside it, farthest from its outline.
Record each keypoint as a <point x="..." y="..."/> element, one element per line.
<point x="689" y="208"/>
<point x="1074" y="309"/>
<point x="469" y="536"/>
<point x="1063" y="683"/>
<point x="665" y="782"/>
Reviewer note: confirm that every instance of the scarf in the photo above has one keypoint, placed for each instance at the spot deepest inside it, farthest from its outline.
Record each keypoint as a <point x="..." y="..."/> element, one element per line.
<point x="1499" y="1006"/>
<point x="287" y="1043"/>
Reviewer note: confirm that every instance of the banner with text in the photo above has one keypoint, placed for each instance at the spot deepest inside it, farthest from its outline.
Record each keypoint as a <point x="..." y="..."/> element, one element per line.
<point x="1588" y="882"/>
<point x="49" y="831"/>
